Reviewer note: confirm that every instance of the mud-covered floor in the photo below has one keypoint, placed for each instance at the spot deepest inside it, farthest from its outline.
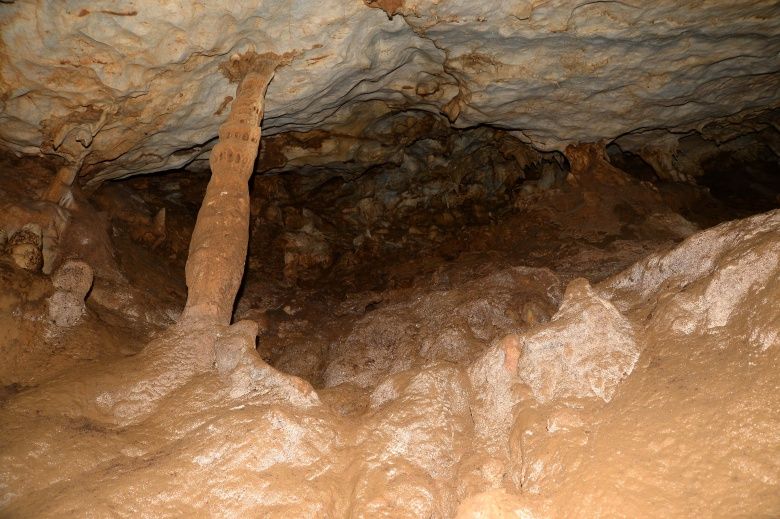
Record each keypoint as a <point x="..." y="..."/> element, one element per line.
<point x="464" y="341"/>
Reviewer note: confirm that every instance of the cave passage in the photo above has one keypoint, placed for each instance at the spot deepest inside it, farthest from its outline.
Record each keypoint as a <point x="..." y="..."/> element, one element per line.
<point x="494" y="308"/>
<point x="390" y="259"/>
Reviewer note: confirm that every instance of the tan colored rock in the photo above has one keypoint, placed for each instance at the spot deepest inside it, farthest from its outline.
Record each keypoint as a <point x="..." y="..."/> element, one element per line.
<point x="585" y="350"/>
<point x="215" y="264"/>
<point x="72" y="281"/>
<point x="73" y="276"/>
<point x="452" y="325"/>
<point x="35" y="227"/>
<point x="419" y="425"/>
<point x="59" y="190"/>
<point x="495" y="504"/>
<point x="24" y="246"/>
<point x="65" y="308"/>
<point x="725" y="278"/>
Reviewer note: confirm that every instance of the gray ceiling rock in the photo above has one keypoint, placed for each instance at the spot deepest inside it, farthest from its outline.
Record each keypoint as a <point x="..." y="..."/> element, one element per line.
<point x="135" y="86"/>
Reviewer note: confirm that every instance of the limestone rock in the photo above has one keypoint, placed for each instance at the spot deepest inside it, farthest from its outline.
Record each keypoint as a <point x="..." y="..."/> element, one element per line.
<point x="696" y="258"/>
<point x="584" y="351"/>
<point x="65" y="308"/>
<point x="73" y="280"/>
<point x="32" y="229"/>
<point x="452" y="325"/>
<point x="25" y="247"/>
<point x="419" y="427"/>
<point x="492" y="378"/>
<point x="305" y="252"/>
<point x="495" y="504"/>
<point x="101" y="76"/>
<point x="73" y="276"/>
<point x="721" y="279"/>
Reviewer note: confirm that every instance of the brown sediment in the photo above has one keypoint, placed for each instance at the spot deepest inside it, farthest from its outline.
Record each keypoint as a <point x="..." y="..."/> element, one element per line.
<point x="391" y="7"/>
<point x="589" y="164"/>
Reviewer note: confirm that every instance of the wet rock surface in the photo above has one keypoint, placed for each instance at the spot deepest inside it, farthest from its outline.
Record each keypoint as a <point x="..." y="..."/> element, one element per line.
<point x="564" y="345"/>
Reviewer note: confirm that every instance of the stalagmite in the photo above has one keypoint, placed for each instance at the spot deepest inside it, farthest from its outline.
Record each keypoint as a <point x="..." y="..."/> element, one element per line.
<point x="590" y="165"/>
<point x="72" y="282"/>
<point x="59" y="190"/>
<point x="60" y="195"/>
<point x="33" y="229"/>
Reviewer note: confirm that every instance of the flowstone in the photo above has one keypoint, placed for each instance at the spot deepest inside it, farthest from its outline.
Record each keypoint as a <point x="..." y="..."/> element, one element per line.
<point x="585" y="351"/>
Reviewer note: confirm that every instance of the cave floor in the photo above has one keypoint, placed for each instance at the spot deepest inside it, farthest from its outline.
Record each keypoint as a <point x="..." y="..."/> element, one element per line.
<point x="559" y="353"/>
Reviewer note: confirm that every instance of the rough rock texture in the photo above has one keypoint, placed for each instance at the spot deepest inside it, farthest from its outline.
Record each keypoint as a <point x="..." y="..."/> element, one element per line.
<point x="72" y="282"/>
<point x="410" y="444"/>
<point x="494" y="504"/>
<point x="457" y="164"/>
<point x="34" y="229"/>
<point x="73" y="276"/>
<point x="202" y="338"/>
<point x="422" y="400"/>
<point x="702" y="400"/>
<point x="138" y="85"/>
<point x="586" y="350"/>
<point x="447" y="325"/>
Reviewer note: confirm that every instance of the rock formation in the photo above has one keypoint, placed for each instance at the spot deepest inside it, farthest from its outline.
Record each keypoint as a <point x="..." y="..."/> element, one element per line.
<point x="510" y="258"/>
<point x="72" y="282"/>
<point x="143" y="88"/>
<point x="203" y="338"/>
<point x="34" y="228"/>
<point x="218" y="247"/>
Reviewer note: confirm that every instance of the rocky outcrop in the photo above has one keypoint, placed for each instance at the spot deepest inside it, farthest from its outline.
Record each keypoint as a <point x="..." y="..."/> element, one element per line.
<point x="72" y="282"/>
<point x="31" y="229"/>
<point x="468" y="395"/>
<point x="586" y="350"/>
<point x="202" y="338"/>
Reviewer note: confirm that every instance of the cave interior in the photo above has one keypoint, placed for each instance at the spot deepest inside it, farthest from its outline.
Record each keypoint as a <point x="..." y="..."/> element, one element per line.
<point x="390" y="258"/>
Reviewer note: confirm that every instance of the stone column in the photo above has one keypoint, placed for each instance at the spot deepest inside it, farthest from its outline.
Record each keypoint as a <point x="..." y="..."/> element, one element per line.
<point x="218" y="247"/>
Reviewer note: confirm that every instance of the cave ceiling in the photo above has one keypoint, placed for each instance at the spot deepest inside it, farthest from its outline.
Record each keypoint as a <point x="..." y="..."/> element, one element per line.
<point x="135" y="87"/>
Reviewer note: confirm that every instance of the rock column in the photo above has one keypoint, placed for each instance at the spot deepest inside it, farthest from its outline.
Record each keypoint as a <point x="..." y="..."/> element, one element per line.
<point x="218" y="247"/>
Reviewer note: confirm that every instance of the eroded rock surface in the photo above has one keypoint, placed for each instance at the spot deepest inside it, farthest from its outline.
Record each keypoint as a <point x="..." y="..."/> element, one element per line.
<point x="586" y="350"/>
<point x="477" y="284"/>
<point x="72" y="281"/>
<point x="139" y="86"/>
